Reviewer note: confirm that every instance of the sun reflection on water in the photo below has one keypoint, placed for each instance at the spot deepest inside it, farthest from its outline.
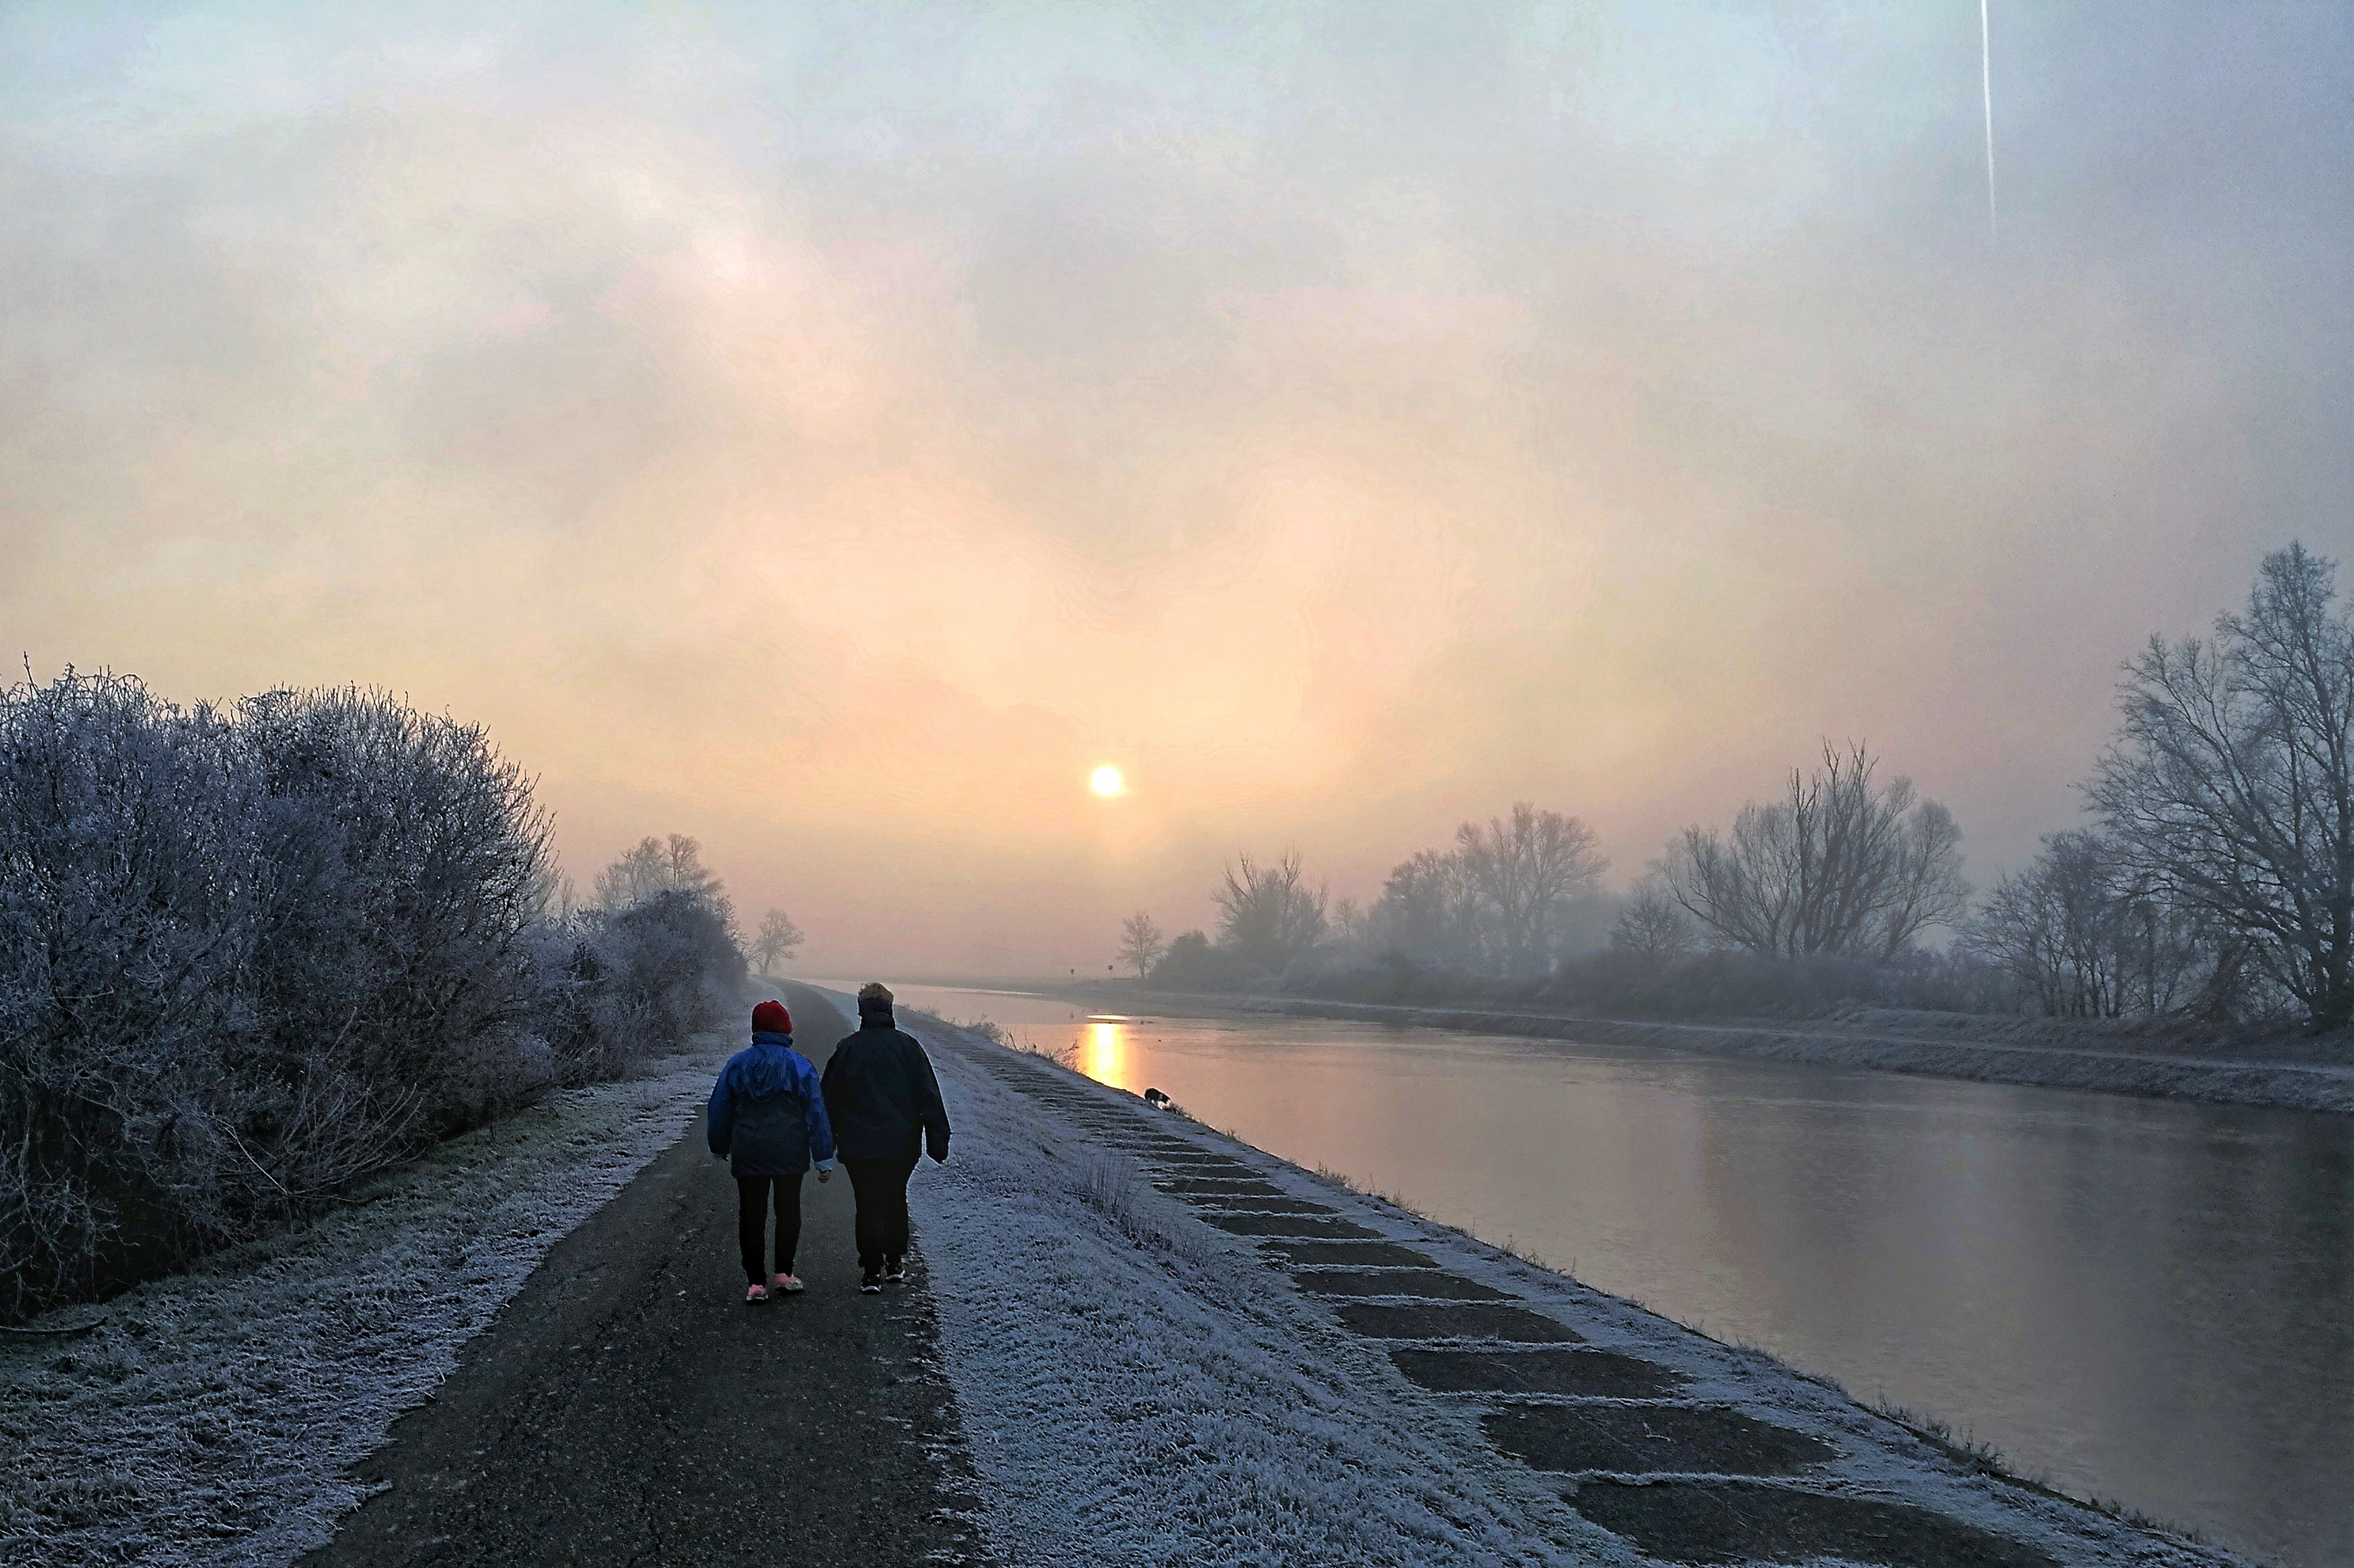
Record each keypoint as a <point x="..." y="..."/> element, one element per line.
<point x="1103" y="1050"/>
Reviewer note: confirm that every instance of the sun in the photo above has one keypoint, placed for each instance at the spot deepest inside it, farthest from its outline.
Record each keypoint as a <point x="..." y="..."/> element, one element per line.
<point x="1106" y="782"/>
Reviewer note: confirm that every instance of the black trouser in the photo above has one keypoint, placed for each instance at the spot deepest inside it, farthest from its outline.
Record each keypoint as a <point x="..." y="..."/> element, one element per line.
<point x="752" y="1222"/>
<point x="882" y="1189"/>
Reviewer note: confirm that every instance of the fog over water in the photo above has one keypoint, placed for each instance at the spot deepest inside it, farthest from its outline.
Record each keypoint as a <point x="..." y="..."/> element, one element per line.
<point x="2135" y="1299"/>
<point x="831" y="432"/>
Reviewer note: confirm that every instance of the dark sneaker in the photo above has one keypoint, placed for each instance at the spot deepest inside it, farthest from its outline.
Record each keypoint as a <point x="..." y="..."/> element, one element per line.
<point x="871" y="1282"/>
<point x="894" y="1270"/>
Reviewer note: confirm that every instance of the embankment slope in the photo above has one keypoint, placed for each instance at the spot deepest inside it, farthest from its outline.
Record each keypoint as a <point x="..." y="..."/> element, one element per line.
<point x="1169" y="1347"/>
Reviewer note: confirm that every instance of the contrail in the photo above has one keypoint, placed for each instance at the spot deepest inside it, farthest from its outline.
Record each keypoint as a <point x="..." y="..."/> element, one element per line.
<point x="1985" y="78"/>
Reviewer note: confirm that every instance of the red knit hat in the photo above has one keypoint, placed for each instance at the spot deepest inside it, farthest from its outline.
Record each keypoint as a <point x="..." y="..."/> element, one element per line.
<point x="770" y="1018"/>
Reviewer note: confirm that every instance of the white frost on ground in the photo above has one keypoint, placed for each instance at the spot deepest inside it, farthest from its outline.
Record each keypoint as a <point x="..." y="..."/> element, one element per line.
<point x="1138" y="1387"/>
<point x="1135" y="1385"/>
<point x="1170" y="1399"/>
<point x="211" y="1419"/>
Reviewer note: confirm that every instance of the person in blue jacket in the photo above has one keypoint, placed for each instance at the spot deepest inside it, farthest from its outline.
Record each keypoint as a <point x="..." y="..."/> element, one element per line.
<point x="768" y="1121"/>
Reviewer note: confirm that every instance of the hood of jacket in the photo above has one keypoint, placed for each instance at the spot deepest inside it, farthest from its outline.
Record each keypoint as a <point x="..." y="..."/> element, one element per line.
<point x="763" y="1068"/>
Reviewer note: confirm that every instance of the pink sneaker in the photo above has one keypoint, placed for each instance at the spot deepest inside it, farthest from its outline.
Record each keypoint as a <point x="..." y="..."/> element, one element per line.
<point x="789" y="1286"/>
<point x="756" y="1294"/>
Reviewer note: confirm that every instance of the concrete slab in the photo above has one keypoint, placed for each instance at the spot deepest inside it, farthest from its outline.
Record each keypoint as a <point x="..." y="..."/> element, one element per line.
<point x="1430" y="1284"/>
<point x="1737" y="1521"/>
<point x="1235" y="1186"/>
<point x="1648" y="1439"/>
<point x="1470" y="1320"/>
<point x="1578" y="1373"/>
<point x="1291" y="1226"/>
<point x="1248" y="1203"/>
<point x="1359" y="1255"/>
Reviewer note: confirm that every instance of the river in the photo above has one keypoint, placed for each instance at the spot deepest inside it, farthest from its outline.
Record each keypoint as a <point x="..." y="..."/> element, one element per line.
<point x="2139" y="1301"/>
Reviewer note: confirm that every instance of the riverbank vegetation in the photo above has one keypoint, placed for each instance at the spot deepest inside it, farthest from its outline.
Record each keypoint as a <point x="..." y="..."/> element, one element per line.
<point x="252" y="956"/>
<point x="2211" y="889"/>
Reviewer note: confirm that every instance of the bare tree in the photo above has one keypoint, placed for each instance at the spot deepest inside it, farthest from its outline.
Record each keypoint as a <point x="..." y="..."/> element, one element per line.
<point x="2046" y="928"/>
<point x="778" y="939"/>
<point x="1838" y="866"/>
<point x="1504" y="901"/>
<point x="2230" y="783"/>
<point x="2084" y="936"/>
<point x="1525" y="872"/>
<point x="1651" y="925"/>
<point x="1267" y="914"/>
<point x="1140" y="943"/>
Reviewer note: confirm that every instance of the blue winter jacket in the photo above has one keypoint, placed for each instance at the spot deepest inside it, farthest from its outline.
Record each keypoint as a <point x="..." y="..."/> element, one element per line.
<point x="767" y="1113"/>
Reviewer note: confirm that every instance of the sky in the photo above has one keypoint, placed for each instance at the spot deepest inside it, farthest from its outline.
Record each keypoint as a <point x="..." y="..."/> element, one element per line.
<point x="833" y="431"/>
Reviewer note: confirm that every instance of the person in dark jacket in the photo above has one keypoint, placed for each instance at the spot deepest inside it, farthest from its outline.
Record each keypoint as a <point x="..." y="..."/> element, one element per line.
<point x="767" y="1120"/>
<point x="886" y="1106"/>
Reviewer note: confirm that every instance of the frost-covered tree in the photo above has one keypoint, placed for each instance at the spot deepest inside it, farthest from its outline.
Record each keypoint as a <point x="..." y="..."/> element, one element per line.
<point x="654" y="865"/>
<point x="563" y="901"/>
<point x="2230" y="785"/>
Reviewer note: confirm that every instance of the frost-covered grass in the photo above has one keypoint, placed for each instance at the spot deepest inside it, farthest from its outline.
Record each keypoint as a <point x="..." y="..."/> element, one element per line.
<point x="1138" y="1387"/>
<point x="211" y="1418"/>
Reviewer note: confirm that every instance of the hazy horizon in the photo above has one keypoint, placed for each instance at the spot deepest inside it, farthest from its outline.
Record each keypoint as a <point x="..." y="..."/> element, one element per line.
<point x="831" y="436"/>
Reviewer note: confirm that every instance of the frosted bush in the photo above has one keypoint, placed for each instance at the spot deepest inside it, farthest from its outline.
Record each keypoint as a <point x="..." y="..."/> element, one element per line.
<point x="249" y="957"/>
<point x="623" y="985"/>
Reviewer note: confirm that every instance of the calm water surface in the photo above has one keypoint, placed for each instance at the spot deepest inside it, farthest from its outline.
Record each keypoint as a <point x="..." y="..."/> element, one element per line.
<point x="2135" y="1300"/>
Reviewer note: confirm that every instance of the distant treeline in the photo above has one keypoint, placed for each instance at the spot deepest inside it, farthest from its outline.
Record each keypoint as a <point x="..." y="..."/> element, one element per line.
<point x="251" y="956"/>
<point x="2214" y="880"/>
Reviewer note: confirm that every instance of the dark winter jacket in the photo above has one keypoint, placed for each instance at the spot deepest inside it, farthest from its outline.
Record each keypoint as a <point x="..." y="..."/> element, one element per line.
<point x="767" y="1111"/>
<point x="880" y="1091"/>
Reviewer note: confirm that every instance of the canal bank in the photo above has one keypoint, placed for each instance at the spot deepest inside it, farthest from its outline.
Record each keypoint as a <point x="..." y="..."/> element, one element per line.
<point x="1171" y="1346"/>
<point x="2137" y="1298"/>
